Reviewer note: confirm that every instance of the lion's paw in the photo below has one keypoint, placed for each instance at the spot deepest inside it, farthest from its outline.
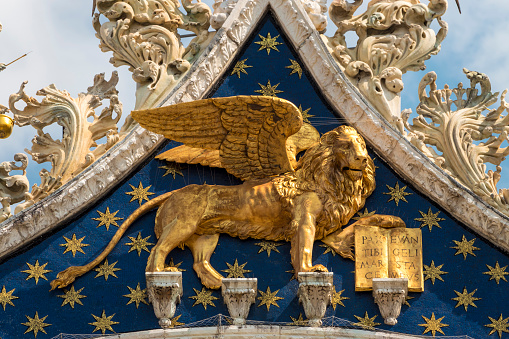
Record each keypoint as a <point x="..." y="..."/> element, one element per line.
<point x="318" y="268"/>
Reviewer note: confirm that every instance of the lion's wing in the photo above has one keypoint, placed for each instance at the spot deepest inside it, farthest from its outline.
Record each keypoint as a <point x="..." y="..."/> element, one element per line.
<point x="189" y="155"/>
<point x="250" y="132"/>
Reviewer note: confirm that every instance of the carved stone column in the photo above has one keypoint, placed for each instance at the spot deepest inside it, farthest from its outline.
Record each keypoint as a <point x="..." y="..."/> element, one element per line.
<point x="238" y="295"/>
<point x="390" y="294"/>
<point x="164" y="292"/>
<point x="315" y="291"/>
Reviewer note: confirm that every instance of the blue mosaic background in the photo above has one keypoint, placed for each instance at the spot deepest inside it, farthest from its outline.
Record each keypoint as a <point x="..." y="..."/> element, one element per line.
<point x="271" y="271"/>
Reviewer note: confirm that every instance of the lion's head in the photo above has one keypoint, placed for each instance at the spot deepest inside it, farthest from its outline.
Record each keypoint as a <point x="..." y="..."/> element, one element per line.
<point x="340" y="170"/>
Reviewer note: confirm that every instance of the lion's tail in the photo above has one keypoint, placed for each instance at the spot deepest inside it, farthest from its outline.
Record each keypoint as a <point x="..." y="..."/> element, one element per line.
<point x="68" y="275"/>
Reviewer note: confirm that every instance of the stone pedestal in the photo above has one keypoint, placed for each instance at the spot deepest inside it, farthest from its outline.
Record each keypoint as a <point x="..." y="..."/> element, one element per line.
<point x="164" y="292"/>
<point x="390" y="294"/>
<point x="315" y="292"/>
<point x="238" y="295"/>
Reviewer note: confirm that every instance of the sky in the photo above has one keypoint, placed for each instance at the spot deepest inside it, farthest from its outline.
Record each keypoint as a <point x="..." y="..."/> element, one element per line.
<point x="65" y="52"/>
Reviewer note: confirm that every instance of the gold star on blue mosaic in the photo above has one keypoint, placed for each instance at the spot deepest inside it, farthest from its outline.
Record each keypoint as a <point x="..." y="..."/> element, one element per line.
<point x="465" y="299"/>
<point x="465" y="247"/>
<point x="268" y="43"/>
<point x="295" y="67"/>
<point x="433" y="272"/>
<point x="500" y="325"/>
<point x="305" y="115"/>
<point x="364" y="214"/>
<point x="429" y="219"/>
<point x="137" y="295"/>
<point x="367" y="322"/>
<point x="397" y="193"/>
<point x="268" y="246"/>
<point x="406" y="300"/>
<point x="6" y="297"/>
<point x="174" y="321"/>
<point x="106" y="270"/>
<point x="240" y="67"/>
<point x="74" y="245"/>
<point x="337" y="298"/>
<point x="103" y="323"/>
<point x="171" y="264"/>
<point x="268" y="298"/>
<point x="497" y="272"/>
<point x="203" y="297"/>
<point x="72" y="296"/>
<point x="107" y="219"/>
<point x="328" y="249"/>
<point x="299" y="321"/>
<point x="433" y="325"/>
<point x="172" y="169"/>
<point x="138" y="244"/>
<point x="36" y="271"/>
<point x="139" y="193"/>
<point x="35" y="324"/>
<point x="268" y="90"/>
<point x="236" y="270"/>
<point x="292" y="272"/>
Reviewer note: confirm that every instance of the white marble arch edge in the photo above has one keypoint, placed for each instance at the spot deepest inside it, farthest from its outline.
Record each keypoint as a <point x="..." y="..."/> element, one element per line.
<point x="98" y="179"/>
<point x="262" y="331"/>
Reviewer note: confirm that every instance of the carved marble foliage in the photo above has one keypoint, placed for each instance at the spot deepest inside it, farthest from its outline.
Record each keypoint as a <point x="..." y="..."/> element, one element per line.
<point x="452" y="130"/>
<point x="164" y="291"/>
<point x="13" y="188"/>
<point x="390" y="294"/>
<point x="238" y="295"/>
<point x="142" y="34"/>
<point x="222" y="10"/>
<point x="394" y="36"/>
<point x="82" y="128"/>
<point x="315" y="292"/>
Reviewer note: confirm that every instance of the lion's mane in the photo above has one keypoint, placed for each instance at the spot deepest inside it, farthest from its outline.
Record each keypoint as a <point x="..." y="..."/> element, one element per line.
<point x="319" y="172"/>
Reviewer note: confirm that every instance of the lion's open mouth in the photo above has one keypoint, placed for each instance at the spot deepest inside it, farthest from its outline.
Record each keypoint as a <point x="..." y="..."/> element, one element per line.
<point x="353" y="173"/>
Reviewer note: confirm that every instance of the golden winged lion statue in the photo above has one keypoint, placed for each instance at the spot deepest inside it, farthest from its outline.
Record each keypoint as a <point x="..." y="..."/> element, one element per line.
<point x="281" y="199"/>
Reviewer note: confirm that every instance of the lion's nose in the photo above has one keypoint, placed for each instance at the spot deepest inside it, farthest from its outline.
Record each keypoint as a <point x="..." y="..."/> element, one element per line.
<point x="363" y="160"/>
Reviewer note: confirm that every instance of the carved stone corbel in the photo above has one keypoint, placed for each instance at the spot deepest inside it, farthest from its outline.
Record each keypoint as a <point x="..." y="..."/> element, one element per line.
<point x="164" y="292"/>
<point x="238" y="295"/>
<point x="315" y="292"/>
<point x="390" y="294"/>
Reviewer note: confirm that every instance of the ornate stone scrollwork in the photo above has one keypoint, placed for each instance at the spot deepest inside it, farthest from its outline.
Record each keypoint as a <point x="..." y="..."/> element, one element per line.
<point x="315" y="292"/>
<point x="390" y="294"/>
<point x="13" y="188"/>
<point x="316" y="10"/>
<point x="164" y="291"/>
<point x="222" y="10"/>
<point x="394" y="36"/>
<point x="142" y="34"/>
<point x="462" y="140"/>
<point x="238" y="295"/>
<point x="70" y="155"/>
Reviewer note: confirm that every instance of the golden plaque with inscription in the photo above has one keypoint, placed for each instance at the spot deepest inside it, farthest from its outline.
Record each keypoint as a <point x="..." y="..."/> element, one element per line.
<point x="388" y="253"/>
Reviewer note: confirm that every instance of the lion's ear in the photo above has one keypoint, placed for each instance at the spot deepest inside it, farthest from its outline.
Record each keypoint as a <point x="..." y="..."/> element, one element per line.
<point x="329" y="138"/>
